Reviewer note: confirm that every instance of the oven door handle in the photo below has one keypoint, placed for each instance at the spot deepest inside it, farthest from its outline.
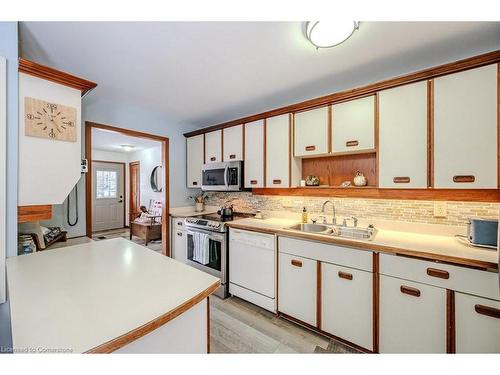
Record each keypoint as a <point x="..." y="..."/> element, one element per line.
<point x="226" y="177"/>
<point x="212" y="235"/>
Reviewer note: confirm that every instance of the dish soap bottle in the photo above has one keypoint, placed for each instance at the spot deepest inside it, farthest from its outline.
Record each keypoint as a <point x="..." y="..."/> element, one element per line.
<point x="304" y="215"/>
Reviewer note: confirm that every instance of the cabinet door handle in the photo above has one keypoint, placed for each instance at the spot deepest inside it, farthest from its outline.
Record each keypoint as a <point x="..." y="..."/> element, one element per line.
<point x="232" y="156"/>
<point x="345" y="275"/>
<point x="276" y="182"/>
<point x="410" y="291"/>
<point x="213" y="158"/>
<point x="253" y="182"/>
<point x="464" y="179"/>
<point x="352" y="143"/>
<point x="310" y="148"/>
<point x="194" y="183"/>
<point x="296" y="263"/>
<point x="488" y="311"/>
<point x="434" y="272"/>
<point x="401" y="180"/>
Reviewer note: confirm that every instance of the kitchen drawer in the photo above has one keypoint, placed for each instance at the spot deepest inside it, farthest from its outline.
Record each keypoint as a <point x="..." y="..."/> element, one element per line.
<point x="462" y="279"/>
<point x="344" y="256"/>
<point x="178" y="223"/>
<point x="412" y="317"/>
<point x="347" y="304"/>
<point x="477" y="324"/>
<point x="297" y="285"/>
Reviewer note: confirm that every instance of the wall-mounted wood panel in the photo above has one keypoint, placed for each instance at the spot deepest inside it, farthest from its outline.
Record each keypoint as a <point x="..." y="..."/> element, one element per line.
<point x="334" y="170"/>
<point x="34" y="213"/>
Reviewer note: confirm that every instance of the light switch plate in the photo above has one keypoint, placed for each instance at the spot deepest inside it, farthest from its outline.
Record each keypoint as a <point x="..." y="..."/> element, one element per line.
<point x="440" y="209"/>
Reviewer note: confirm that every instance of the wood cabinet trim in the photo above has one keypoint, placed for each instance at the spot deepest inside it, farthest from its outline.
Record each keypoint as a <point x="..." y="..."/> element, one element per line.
<point x="498" y="125"/>
<point x="450" y="322"/>
<point x="376" y="137"/>
<point x="329" y="145"/>
<point x="430" y="133"/>
<point x="41" y="71"/>
<point x="376" y="301"/>
<point x="318" y="294"/>
<point x="370" y="89"/>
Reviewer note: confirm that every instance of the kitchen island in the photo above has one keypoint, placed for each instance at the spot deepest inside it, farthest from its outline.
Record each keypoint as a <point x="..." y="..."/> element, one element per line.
<point x="107" y="296"/>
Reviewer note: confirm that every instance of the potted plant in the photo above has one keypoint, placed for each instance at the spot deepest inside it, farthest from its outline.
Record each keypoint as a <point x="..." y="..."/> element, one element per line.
<point x="199" y="201"/>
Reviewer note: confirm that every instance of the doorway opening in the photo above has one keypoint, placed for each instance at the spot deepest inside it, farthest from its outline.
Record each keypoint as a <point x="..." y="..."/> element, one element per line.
<point x="127" y="186"/>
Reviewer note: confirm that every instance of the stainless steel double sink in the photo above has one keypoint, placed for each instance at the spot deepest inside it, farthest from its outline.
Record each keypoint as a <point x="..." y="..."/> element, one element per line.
<point x="360" y="233"/>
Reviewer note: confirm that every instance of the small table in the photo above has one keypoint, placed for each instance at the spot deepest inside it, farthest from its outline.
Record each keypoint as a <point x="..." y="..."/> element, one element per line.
<point x="147" y="230"/>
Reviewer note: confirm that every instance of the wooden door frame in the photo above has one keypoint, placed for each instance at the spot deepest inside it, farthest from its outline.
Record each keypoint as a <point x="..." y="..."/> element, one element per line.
<point x="124" y="184"/>
<point x="130" y="184"/>
<point x="165" y="227"/>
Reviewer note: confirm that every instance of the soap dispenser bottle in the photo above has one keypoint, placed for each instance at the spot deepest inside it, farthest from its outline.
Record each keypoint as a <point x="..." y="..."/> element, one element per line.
<point x="304" y="215"/>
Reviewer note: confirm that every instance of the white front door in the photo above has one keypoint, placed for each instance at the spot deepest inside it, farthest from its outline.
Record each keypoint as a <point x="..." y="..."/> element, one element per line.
<point x="107" y="196"/>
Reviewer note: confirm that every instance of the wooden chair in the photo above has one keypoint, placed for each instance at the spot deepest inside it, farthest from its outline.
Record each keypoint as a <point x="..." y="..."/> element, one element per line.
<point x="147" y="227"/>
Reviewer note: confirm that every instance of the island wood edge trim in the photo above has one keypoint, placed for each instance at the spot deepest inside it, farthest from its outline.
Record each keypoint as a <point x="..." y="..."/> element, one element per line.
<point x="50" y="74"/>
<point x="143" y="330"/>
<point x="370" y="247"/>
<point x="363" y="91"/>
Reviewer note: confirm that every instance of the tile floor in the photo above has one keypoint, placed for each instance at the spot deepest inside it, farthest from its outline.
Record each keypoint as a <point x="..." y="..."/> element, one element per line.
<point x="237" y="326"/>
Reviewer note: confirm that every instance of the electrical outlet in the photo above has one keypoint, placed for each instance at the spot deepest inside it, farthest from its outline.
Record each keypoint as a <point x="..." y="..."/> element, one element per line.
<point x="440" y="209"/>
<point x="286" y="202"/>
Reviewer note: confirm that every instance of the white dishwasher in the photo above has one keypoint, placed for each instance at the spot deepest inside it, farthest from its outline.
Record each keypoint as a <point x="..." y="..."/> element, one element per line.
<point x="252" y="267"/>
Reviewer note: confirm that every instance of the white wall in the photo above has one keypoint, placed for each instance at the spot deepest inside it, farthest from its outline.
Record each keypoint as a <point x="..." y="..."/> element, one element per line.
<point x="148" y="159"/>
<point x="3" y="176"/>
<point x="48" y="169"/>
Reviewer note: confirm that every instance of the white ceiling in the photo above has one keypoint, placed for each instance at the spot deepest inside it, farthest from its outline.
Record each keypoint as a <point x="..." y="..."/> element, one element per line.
<point x="106" y="140"/>
<point x="202" y="73"/>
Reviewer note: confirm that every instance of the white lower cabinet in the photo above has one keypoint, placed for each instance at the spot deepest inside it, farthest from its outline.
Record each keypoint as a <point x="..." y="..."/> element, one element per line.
<point x="412" y="317"/>
<point x="178" y="248"/>
<point x="297" y="285"/>
<point x="477" y="324"/>
<point x="347" y="304"/>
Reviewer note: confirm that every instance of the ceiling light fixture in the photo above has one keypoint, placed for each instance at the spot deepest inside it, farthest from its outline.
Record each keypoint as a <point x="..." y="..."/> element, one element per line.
<point x="127" y="147"/>
<point x="327" y="34"/>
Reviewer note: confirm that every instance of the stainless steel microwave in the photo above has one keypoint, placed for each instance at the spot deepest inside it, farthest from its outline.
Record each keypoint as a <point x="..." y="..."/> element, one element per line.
<point x="225" y="176"/>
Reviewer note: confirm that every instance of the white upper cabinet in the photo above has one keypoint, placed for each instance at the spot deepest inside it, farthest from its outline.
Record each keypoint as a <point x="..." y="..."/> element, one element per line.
<point x="353" y="125"/>
<point x="254" y="154"/>
<point x="233" y="143"/>
<point x="194" y="160"/>
<point x="278" y="159"/>
<point x="311" y="132"/>
<point x="213" y="147"/>
<point x="403" y="137"/>
<point x="465" y="129"/>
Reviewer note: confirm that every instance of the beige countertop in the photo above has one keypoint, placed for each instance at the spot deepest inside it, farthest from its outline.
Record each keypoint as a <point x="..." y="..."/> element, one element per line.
<point x="190" y="211"/>
<point x="84" y="297"/>
<point x="444" y="248"/>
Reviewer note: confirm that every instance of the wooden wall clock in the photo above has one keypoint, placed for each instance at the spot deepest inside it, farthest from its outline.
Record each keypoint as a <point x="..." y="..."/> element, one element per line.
<point x="49" y="120"/>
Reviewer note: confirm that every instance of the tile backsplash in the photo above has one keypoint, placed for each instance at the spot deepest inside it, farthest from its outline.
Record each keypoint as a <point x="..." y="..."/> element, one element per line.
<point x="386" y="209"/>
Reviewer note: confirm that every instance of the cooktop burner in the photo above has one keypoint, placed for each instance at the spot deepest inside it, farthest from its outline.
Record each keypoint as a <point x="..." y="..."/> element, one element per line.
<point x="214" y="222"/>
